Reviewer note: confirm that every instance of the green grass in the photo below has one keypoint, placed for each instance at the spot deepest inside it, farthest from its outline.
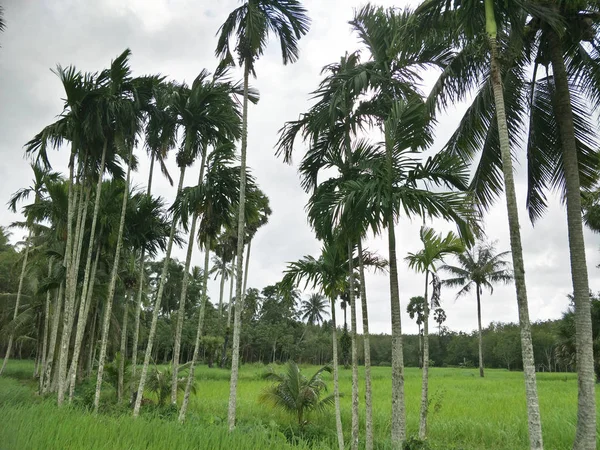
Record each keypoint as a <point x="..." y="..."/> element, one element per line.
<point x="466" y="412"/>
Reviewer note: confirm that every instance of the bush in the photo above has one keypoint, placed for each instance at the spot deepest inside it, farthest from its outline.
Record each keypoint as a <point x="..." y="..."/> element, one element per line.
<point x="414" y="443"/>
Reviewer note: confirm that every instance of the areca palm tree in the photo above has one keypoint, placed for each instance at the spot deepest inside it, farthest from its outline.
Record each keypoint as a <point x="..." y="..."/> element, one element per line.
<point x="478" y="268"/>
<point x="38" y="189"/>
<point x="313" y="310"/>
<point x="215" y="199"/>
<point x="251" y="24"/>
<point x="435" y="248"/>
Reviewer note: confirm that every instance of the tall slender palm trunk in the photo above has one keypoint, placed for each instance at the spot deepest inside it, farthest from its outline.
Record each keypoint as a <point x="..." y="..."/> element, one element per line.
<point x="229" y="310"/>
<point x="235" y="353"/>
<point x="157" y="301"/>
<point x="83" y="304"/>
<point x="183" y="294"/>
<point x="111" y="287"/>
<point x="247" y="266"/>
<point x="355" y="425"/>
<point x="46" y="333"/>
<point x="18" y="300"/>
<point x="123" y="350"/>
<point x="480" y="336"/>
<point x="190" y="380"/>
<point x="533" y="408"/>
<point x="425" y="373"/>
<point x="87" y="299"/>
<point x="53" y="338"/>
<point x="138" y="306"/>
<point x="367" y="352"/>
<point x="585" y="436"/>
<point x="336" y="384"/>
<point x="221" y="289"/>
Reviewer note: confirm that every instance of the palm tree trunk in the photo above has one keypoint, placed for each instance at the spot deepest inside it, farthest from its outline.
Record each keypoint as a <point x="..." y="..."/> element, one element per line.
<point x="123" y="350"/>
<point x="336" y="384"/>
<point x="70" y="295"/>
<point x="481" y="373"/>
<point x="247" y="266"/>
<point x="190" y="380"/>
<point x="183" y="294"/>
<point x="157" y="301"/>
<point x="18" y="300"/>
<point x="112" y="285"/>
<point x="86" y="299"/>
<point x="398" y="406"/>
<point x="53" y="337"/>
<point x="138" y="307"/>
<point x="355" y="426"/>
<point x="235" y="356"/>
<point x="221" y="288"/>
<point x="425" y="374"/>
<point x="367" y="352"/>
<point x="46" y="332"/>
<point x="229" y="309"/>
<point x="533" y="409"/>
<point x="585" y="436"/>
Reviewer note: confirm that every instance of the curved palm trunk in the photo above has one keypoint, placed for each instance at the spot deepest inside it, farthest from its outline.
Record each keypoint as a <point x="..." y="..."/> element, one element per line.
<point x="336" y="384"/>
<point x="138" y="306"/>
<point x="235" y="353"/>
<point x="367" y="353"/>
<point x="111" y="287"/>
<point x="87" y="300"/>
<point x="53" y="338"/>
<point x="398" y="406"/>
<point x="159" y="294"/>
<point x="123" y="350"/>
<point x="585" y="436"/>
<point x="480" y="336"/>
<point x="183" y="294"/>
<point x="18" y="301"/>
<point x="190" y="380"/>
<point x="533" y="408"/>
<point x="355" y="426"/>
<point x="425" y="374"/>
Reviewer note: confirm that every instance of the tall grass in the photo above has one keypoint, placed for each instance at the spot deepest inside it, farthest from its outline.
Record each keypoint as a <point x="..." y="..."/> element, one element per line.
<point x="466" y="412"/>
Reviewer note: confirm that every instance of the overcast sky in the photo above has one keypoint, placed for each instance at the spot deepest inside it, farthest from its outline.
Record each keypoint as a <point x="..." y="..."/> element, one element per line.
<point x="176" y="38"/>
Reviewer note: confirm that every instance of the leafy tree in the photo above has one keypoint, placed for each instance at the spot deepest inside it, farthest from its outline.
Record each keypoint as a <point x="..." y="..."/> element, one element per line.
<point x="314" y="310"/>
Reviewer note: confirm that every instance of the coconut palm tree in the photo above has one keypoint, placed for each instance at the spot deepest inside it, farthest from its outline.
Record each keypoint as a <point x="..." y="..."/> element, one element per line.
<point x="294" y="393"/>
<point x="251" y="23"/>
<point x="435" y="248"/>
<point x="479" y="267"/>
<point x="477" y="25"/>
<point x="313" y="310"/>
<point x="38" y="189"/>
<point x="215" y="199"/>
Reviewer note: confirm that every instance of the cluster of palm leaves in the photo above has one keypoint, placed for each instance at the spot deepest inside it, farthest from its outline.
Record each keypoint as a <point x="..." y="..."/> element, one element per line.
<point x="493" y="54"/>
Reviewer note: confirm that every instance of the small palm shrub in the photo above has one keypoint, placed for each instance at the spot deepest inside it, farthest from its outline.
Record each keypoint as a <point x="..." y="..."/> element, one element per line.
<point x="159" y="382"/>
<point x="294" y="393"/>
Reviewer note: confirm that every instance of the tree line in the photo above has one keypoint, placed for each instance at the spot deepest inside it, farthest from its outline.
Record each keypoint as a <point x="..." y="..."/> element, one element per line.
<point x="526" y="68"/>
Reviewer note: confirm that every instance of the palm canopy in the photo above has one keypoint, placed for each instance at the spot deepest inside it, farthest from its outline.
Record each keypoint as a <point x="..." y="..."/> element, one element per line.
<point x="250" y="25"/>
<point x="528" y="99"/>
<point x="479" y="266"/>
<point x="435" y="248"/>
<point x="314" y="309"/>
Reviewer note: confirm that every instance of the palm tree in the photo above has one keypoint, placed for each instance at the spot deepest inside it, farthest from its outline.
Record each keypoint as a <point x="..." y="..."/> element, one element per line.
<point x="294" y="393"/>
<point x="251" y="24"/>
<point x="215" y="198"/>
<point x="203" y="121"/>
<point x="415" y="312"/>
<point x="38" y="188"/>
<point x="474" y="25"/>
<point x="221" y="93"/>
<point x="313" y="310"/>
<point x="435" y="248"/>
<point x="479" y="267"/>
